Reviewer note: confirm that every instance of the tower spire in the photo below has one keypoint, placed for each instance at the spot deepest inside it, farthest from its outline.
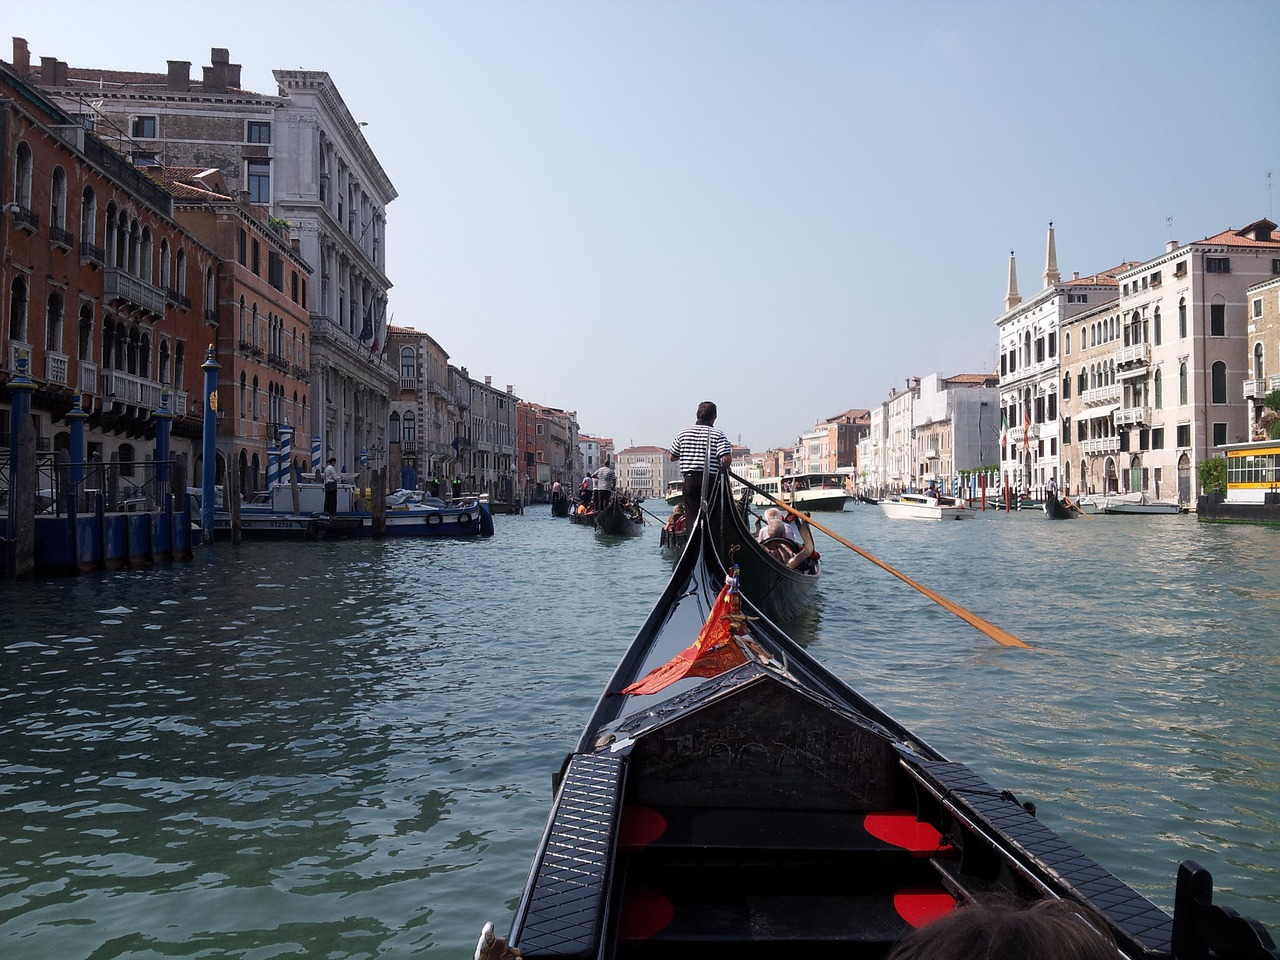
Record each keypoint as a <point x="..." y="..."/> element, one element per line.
<point x="1051" y="275"/>
<point x="1012" y="299"/>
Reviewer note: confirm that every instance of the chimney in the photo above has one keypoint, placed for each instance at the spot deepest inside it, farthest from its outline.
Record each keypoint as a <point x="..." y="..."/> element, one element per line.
<point x="233" y="76"/>
<point x="1171" y="246"/>
<point x="215" y="75"/>
<point x="511" y="388"/>
<point x="1075" y="274"/>
<point x="179" y="76"/>
<point x="52" y="73"/>
<point x="488" y="381"/>
<point x="21" y="58"/>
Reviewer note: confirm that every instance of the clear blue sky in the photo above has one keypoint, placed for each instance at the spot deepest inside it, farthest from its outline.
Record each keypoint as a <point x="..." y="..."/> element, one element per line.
<point x="788" y="207"/>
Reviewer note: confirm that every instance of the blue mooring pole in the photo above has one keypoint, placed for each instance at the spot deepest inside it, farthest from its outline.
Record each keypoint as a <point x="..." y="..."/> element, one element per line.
<point x="209" y="473"/>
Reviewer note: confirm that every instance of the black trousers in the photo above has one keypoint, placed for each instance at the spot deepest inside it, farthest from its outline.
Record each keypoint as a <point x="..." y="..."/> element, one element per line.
<point x="691" y="491"/>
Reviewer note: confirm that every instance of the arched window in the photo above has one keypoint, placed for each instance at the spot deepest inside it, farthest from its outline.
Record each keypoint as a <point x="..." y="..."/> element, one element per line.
<point x="244" y="321"/>
<point x="210" y="295"/>
<point x="146" y="266"/>
<point x="1066" y="385"/>
<point x="1218" y="378"/>
<point x="1182" y="318"/>
<point x="408" y="366"/>
<point x="1066" y="345"/>
<point x="180" y="272"/>
<point x="393" y="428"/>
<point x="166" y="265"/>
<point x="53" y="324"/>
<point x="133" y="237"/>
<point x="18" y="310"/>
<point x="1182" y="384"/>
<point x="1155" y="326"/>
<point x="22" y="169"/>
<point x="1158" y="383"/>
<point x="256" y="399"/>
<point x="1258" y="371"/>
<point x="244" y="395"/>
<point x="58" y="200"/>
<point x="89" y="217"/>
<point x="410" y="427"/>
<point x="85" y="351"/>
<point x="164" y="361"/>
<point x="179" y="365"/>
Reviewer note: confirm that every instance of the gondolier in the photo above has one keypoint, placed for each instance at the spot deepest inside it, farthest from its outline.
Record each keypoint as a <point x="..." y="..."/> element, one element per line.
<point x="699" y="449"/>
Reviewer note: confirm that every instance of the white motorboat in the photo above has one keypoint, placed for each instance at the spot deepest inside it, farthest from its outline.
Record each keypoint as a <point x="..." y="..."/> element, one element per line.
<point x="1127" y="503"/>
<point x="919" y="506"/>
<point x="804" y="491"/>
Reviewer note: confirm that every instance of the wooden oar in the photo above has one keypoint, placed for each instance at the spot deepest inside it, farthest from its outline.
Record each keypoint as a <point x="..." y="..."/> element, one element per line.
<point x="1002" y="637"/>
<point x="1073" y="506"/>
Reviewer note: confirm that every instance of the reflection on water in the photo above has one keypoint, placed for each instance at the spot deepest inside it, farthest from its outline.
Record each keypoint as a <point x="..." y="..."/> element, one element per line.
<point x="345" y="749"/>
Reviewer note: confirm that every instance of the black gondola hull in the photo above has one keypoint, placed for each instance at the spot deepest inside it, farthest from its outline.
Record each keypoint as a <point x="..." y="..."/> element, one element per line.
<point x="768" y="810"/>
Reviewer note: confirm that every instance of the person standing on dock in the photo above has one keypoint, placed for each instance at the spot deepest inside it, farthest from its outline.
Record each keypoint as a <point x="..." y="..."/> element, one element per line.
<point x="331" y="486"/>
<point x="702" y="451"/>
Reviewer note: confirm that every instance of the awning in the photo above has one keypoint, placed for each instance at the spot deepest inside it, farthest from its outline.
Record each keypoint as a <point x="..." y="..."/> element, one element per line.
<point x="1097" y="412"/>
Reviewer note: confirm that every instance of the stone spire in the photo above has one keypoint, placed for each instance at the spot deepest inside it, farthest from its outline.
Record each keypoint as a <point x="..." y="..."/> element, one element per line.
<point x="1012" y="299"/>
<point x="1051" y="261"/>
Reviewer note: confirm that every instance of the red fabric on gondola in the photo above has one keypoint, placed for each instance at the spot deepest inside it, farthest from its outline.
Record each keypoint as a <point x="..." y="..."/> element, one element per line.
<point x="640" y="827"/>
<point x="902" y="829"/>
<point x="921" y="905"/>
<point x="645" y="913"/>
<point x="714" y="652"/>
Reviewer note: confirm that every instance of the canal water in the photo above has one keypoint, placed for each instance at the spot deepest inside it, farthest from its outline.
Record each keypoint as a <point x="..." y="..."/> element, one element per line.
<point x="345" y="750"/>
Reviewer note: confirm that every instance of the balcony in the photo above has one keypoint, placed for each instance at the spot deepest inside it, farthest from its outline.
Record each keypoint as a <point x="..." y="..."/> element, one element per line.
<point x="1136" y="353"/>
<point x="178" y="299"/>
<point x="55" y="367"/>
<point x="135" y="294"/>
<point x="60" y="237"/>
<point x="1255" y="389"/>
<point x="25" y="219"/>
<point x="126" y="388"/>
<point x="408" y="383"/>
<point x="1101" y="445"/>
<point x="18" y="349"/>
<point x="92" y="255"/>
<point x="1131" y="416"/>
<point x="1100" y="395"/>
<point x="86" y="377"/>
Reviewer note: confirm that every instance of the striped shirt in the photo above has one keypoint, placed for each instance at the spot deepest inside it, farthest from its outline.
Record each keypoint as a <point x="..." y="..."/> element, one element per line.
<point x="692" y="444"/>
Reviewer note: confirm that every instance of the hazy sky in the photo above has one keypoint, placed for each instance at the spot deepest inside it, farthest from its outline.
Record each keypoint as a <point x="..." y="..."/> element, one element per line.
<point x="788" y="207"/>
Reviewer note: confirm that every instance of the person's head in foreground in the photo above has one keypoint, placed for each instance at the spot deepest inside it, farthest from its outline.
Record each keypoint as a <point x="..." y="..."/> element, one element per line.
<point x="1045" y="930"/>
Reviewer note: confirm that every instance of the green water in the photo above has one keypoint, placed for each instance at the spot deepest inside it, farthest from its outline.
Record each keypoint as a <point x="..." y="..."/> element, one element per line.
<point x="345" y="750"/>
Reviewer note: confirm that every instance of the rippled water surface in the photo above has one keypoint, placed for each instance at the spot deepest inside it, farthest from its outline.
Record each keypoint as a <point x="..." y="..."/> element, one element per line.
<point x="345" y="750"/>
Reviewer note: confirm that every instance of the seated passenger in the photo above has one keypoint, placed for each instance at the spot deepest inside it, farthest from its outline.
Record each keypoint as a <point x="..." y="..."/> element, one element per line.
<point x="677" y="522"/>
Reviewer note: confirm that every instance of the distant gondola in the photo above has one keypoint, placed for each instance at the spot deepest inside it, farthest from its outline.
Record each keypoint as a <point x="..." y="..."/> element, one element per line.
<point x="1059" y="508"/>
<point x="621" y="518"/>
<point x="559" y="504"/>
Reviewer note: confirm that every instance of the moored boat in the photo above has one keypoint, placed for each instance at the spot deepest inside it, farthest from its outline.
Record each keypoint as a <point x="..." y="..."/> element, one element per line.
<point x="920" y="506"/>
<point x="729" y="796"/>
<point x="1128" y="503"/>
<point x="559" y="504"/>
<point x="275" y="514"/>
